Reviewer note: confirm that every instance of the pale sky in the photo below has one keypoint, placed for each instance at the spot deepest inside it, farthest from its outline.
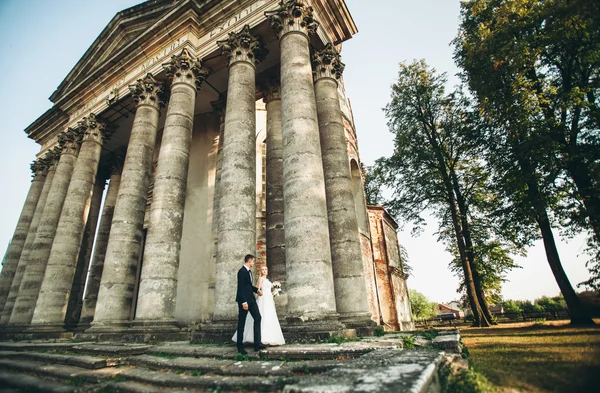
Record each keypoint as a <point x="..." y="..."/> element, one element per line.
<point x="42" y="40"/>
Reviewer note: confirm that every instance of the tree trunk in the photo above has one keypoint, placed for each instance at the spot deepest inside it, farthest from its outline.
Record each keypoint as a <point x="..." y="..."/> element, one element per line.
<point x="579" y="315"/>
<point x="466" y="231"/>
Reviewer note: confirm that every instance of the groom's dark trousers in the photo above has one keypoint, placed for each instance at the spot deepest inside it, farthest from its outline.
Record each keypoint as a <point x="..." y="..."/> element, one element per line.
<point x="245" y="294"/>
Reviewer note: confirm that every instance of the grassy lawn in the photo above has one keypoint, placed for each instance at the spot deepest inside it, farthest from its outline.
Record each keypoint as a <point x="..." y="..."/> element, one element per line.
<point x="522" y="357"/>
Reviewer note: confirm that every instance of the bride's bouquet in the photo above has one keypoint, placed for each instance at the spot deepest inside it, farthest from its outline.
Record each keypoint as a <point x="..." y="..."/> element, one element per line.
<point x="276" y="288"/>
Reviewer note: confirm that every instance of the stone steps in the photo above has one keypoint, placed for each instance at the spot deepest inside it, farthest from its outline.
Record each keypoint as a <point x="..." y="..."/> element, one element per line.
<point x="372" y="364"/>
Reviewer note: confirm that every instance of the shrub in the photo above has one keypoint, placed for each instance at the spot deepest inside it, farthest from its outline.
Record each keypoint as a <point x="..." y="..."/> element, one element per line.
<point x="539" y="321"/>
<point x="468" y="381"/>
<point x="408" y="342"/>
<point x="379" y="331"/>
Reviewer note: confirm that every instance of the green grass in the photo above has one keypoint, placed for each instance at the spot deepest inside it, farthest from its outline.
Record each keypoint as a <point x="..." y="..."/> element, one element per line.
<point x="553" y="358"/>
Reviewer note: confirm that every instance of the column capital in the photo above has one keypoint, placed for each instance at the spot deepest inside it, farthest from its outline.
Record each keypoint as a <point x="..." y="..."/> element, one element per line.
<point x="148" y="91"/>
<point x="271" y="89"/>
<point x="220" y="106"/>
<point x="69" y="141"/>
<point x="292" y="16"/>
<point x="39" y="167"/>
<point x="243" y="46"/>
<point x="185" y="68"/>
<point x="327" y="63"/>
<point x="92" y="128"/>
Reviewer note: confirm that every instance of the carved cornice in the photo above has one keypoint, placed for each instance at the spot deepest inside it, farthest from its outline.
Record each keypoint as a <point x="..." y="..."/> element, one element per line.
<point x="292" y="16"/>
<point x="327" y="63"/>
<point x="243" y="46"/>
<point x="69" y="141"/>
<point x="185" y="68"/>
<point x="148" y="91"/>
<point x="91" y="128"/>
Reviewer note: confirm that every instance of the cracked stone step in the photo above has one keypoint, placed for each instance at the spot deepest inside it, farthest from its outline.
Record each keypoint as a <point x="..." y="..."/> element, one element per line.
<point x="384" y="371"/>
<point x="111" y="349"/>
<point x="200" y="351"/>
<point x="36" y="346"/>
<point x="28" y="383"/>
<point x="83" y="361"/>
<point x="325" y="351"/>
<point x="60" y="372"/>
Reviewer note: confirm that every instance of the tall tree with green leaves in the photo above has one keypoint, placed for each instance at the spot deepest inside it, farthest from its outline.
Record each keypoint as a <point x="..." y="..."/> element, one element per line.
<point x="436" y="168"/>
<point x="533" y="66"/>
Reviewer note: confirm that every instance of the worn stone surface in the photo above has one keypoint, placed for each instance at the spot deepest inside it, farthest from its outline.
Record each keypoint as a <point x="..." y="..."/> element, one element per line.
<point x="346" y="254"/>
<point x="56" y="287"/>
<point x="28" y="383"/>
<point x="24" y="258"/>
<point x="97" y="264"/>
<point x="44" y="237"/>
<point x="448" y="342"/>
<point x="82" y="361"/>
<point x="379" y="371"/>
<point x="308" y="257"/>
<point x="15" y="247"/>
<point x="237" y="206"/>
<point x="115" y="296"/>
<point x="158" y="280"/>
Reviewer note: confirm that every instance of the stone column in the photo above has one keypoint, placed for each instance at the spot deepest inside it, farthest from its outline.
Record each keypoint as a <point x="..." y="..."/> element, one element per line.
<point x="15" y="248"/>
<point x="33" y="276"/>
<point x="346" y="253"/>
<point x="237" y="205"/>
<point x="307" y="254"/>
<point x="275" y="232"/>
<point x="51" y="306"/>
<point x="50" y="160"/>
<point x="85" y="252"/>
<point x="158" y="281"/>
<point x="115" y="296"/>
<point x="219" y="108"/>
<point x="97" y="265"/>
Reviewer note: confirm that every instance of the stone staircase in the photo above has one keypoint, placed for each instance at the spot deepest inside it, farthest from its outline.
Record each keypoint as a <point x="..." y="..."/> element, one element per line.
<point x="372" y="364"/>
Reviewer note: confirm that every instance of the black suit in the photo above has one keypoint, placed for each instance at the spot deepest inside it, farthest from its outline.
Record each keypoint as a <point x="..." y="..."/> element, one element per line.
<point x="245" y="294"/>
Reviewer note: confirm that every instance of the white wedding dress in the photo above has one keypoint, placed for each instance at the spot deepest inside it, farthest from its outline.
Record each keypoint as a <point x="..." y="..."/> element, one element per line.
<point x="270" y="330"/>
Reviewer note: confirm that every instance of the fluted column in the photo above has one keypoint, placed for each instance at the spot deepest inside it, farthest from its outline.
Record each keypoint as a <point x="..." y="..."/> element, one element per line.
<point x="97" y="265"/>
<point x="115" y="297"/>
<point x="54" y="294"/>
<point x="15" y="248"/>
<point x="85" y="253"/>
<point x="50" y="160"/>
<point x="158" y="280"/>
<point x="346" y="253"/>
<point x="237" y="205"/>
<point x="275" y="233"/>
<point x="29" y="290"/>
<point x="308" y="257"/>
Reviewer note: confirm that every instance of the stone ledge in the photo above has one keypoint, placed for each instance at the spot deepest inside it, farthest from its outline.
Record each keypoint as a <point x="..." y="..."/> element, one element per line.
<point x="82" y="361"/>
<point x="29" y="383"/>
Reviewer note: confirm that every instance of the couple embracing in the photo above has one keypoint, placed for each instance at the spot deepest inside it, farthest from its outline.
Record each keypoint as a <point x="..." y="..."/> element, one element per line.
<point x="261" y="326"/>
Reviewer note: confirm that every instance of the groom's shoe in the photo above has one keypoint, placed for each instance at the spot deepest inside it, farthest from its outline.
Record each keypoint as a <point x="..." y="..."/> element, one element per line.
<point x="242" y="351"/>
<point x="259" y="347"/>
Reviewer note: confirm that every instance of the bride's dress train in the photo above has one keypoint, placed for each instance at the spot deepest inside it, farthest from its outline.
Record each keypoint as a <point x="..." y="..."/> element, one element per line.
<point x="269" y="327"/>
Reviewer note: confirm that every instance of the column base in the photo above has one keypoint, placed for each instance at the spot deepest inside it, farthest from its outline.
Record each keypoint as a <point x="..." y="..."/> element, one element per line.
<point x="19" y="332"/>
<point x="109" y="327"/>
<point x="361" y="322"/>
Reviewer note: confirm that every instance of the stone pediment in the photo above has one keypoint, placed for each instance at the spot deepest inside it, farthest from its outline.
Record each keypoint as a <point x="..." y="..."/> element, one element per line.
<point x="126" y="26"/>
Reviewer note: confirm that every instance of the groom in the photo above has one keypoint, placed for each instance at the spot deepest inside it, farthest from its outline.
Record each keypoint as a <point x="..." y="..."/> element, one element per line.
<point x="247" y="303"/>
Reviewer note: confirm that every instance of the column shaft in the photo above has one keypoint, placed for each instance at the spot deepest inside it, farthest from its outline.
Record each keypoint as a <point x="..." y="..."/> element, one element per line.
<point x="115" y="297"/>
<point x="85" y="254"/>
<point x="15" y="248"/>
<point x="24" y="259"/>
<point x="237" y="205"/>
<point x="93" y="282"/>
<point x="55" y="291"/>
<point x="40" y="250"/>
<point x="275" y="232"/>
<point x="158" y="281"/>
<point x="346" y="253"/>
<point x="307" y="253"/>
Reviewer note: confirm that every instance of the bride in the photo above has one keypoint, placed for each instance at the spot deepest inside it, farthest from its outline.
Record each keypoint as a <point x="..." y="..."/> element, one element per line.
<point x="269" y="326"/>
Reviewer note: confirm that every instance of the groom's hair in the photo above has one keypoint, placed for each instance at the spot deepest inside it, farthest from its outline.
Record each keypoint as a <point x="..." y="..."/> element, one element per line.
<point x="248" y="257"/>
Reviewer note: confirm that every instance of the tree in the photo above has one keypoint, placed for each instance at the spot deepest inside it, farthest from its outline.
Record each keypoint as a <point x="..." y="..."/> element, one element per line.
<point x="421" y="307"/>
<point x="436" y="168"/>
<point x="533" y="66"/>
<point x="512" y="307"/>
